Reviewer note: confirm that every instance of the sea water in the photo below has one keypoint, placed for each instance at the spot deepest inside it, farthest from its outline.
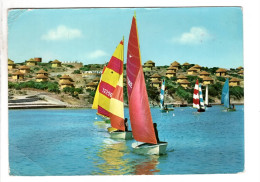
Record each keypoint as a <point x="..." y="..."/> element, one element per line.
<point x="58" y="142"/>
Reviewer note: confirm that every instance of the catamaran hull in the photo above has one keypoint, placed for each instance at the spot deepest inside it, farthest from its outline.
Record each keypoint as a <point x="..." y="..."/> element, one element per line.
<point x="208" y="105"/>
<point x="150" y="149"/>
<point x="201" y="110"/>
<point x="125" y="135"/>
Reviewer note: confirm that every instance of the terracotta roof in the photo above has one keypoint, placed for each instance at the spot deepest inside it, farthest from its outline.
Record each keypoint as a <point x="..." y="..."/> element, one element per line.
<point x="207" y="79"/>
<point x="66" y="82"/>
<point x="186" y="64"/>
<point x="65" y="77"/>
<point x="41" y="71"/>
<point x="204" y="73"/>
<point x="55" y="61"/>
<point x="10" y="61"/>
<point x="181" y="76"/>
<point x="41" y="76"/>
<point x="234" y="80"/>
<point x="221" y="70"/>
<point x="155" y="75"/>
<point x="170" y="71"/>
<point x="149" y="62"/>
<point x="184" y="81"/>
<point x="24" y="67"/>
<point x="18" y="73"/>
<point x="91" y="84"/>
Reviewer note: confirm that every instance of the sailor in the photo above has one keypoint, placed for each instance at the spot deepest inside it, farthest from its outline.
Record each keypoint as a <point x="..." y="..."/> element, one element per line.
<point x="156" y="132"/>
<point x="126" y="124"/>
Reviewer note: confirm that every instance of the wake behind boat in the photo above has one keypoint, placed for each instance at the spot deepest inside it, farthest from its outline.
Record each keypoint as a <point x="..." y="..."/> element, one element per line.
<point x="139" y="110"/>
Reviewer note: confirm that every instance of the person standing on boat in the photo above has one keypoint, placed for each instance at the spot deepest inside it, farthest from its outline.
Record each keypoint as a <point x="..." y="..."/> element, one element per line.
<point x="156" y="132"/>
<point x="126" y="124"/>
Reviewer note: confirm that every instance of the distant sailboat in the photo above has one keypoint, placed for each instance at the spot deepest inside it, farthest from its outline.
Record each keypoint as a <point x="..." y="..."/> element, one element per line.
<point x="163" y="107"/>
<point x="207" y="97"/>
<point x="109" y="96"/>
<point x="198" y="98"/>
<point x="225" y="98"/>
<point x="139" y="110"/>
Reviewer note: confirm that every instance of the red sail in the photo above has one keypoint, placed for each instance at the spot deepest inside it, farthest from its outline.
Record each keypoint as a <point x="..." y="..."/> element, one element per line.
<point x="139" y="109"/>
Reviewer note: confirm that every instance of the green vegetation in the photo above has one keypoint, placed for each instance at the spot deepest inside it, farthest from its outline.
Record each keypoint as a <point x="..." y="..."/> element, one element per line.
<point x="49" y="86"/>
<point x="222" y="79"/>
<point x="237" y="92"/>
<point x="76" y="72"/>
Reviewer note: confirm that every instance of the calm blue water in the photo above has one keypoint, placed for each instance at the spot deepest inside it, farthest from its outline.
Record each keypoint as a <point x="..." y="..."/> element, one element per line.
<point x="73" y="142"/>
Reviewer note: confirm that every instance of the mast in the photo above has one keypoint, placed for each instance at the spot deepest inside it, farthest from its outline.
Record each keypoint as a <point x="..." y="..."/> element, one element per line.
<point x="201" y="97"/>
<point x="206" y="95"/>
<point x="139" y="109"/>
<point x="162" y="94"/>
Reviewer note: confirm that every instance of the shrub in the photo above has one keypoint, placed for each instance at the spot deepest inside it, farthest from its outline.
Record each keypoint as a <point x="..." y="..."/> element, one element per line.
<point x="76" y="72"/>
<point x="237" y="92"/>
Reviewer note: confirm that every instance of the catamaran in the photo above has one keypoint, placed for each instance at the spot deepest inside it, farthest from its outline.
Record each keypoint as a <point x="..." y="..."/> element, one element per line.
<point x="225" y="98"/>
<point x="144" y="130"/>
<point x="198" y="102"/>
<point x="163" y="108"/>
<point x="109" y="95"/>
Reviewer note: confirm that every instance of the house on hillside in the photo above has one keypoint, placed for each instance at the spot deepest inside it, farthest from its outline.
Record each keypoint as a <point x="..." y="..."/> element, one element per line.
<point x="38" y="59"/>
<point x="155" y="76"/>
<point x="192" y="71"/>
<point x="234" y="82"/>
<point x="31" y="62"/>
<point x="175" y="65"/>
<point x="198" y="67"/>
<point x="11" y="64"/>
<point x="55" y="63"/>
<point x="203" y="74"/>
<point x="18" y="75"/>
<point x="221" y="72"/>
<point x="41" y="78"/>
<point x="170" y="73"/>
<point x="24" y="69"/>
<point x="207" y="80"/>
<point x="241" y="72"/>
<point x="181" y="78"/>
<point x="185" y="64"/>
<point x="66" y="83"/>
<point x="156" y="83"/>
<point x="148" y="65"/>
<point x="184" y="83"/>
<point x="42" y="72"/>
<point x="92" y="86"/>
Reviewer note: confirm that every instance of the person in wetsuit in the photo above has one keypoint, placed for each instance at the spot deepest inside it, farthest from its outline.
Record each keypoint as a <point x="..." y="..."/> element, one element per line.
<point x="156" y="132"/>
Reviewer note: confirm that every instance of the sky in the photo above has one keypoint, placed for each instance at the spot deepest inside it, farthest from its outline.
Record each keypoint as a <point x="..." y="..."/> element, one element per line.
<point x="208" y="36"/>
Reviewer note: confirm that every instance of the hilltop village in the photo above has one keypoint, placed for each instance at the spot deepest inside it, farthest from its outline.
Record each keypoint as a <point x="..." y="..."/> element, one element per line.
<point x="34" y="83"/>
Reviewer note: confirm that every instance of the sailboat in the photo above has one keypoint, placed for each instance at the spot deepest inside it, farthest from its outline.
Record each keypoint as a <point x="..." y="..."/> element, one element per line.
<point x="225" y="98"/>
<point x="197" y="98"/>
<point x="207" y="97"/>
<point x="109" y="96"/>
<point x="144" y="130"/>
<point x="163" y="108"/>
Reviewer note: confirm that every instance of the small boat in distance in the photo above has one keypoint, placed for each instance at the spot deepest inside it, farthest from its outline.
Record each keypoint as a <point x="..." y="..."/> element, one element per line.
<point x="225" y="97"/>
<point x="197" y="98"/>
<point x="109" y="95"/>
<point x="164" y="108"/>
<point x="207" y="97"/>
<point x="144" y="130"/>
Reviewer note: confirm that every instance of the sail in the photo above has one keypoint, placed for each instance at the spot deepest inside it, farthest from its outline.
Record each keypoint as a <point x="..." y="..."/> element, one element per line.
<point x="201" y="97"/>
<point x="162" y="94"/>
<point x="196" y="101"/>
<point x="117" y="106"/>
<point x="139" y="109"/>
<point x="207" y="95"/>
<point x="109" y="81"/>
<point x="225" y="94"/>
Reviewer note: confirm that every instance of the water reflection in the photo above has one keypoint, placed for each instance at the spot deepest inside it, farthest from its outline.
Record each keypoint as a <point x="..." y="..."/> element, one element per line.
<point x="147" y="167"/>
<point x="113" y="162"/>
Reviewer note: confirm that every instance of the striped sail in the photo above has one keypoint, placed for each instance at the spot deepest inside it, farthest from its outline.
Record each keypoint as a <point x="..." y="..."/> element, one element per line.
<point x="109" y="81"/>
<point x="225" y="94"/>
<point x="139" y="109"/>
<point x="201" y="97"/>
<point x="162" y="94"/>
<point x="196" y="101"/>
<point x="117" y="106"/>
<point x="96" y="98"/>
